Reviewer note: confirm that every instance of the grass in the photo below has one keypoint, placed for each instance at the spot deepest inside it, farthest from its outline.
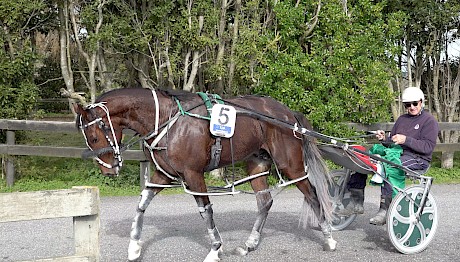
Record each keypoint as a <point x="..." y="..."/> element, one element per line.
<point x="442" y="175"/>
<point x="48" y="173"/>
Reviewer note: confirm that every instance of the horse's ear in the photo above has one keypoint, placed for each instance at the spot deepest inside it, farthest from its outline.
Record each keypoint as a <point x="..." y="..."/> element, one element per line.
<point x="78" y="108"/>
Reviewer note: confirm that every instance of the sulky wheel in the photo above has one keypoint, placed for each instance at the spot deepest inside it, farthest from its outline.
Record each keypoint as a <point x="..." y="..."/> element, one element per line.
<point x="408" y="234"/>
<point x="338" y="184"/>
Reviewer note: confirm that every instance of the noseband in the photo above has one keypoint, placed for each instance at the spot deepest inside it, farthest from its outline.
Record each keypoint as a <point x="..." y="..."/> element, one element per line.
<point x="114" y="147"/>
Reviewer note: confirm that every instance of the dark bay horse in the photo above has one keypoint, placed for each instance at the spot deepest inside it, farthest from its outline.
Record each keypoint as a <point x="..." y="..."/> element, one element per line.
<point x="175" y="131"/>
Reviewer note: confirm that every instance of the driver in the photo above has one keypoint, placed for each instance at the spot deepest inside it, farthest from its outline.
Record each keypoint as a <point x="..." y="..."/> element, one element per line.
<point x="416" y="132"/>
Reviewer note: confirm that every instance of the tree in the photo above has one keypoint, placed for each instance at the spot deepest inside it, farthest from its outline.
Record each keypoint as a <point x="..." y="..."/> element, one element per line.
<point x="429" y="29"/>
<point x="20" y="22"/>
<point x="80" y="24"/>
<point x="337" y="72"/>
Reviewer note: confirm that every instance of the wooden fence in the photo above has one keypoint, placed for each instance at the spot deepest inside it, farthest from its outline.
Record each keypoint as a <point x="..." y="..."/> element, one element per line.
<point x="10" y="148"/>
<point x="13" y="149"/>
<point x="440" y="147"/>
<point x="81" y="203"/>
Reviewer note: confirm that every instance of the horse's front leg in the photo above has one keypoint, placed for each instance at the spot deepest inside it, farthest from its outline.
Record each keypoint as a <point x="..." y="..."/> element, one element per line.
<point x="134" y="249"/>
<point x="205" y="209"/>
<point x="135" y="245"/>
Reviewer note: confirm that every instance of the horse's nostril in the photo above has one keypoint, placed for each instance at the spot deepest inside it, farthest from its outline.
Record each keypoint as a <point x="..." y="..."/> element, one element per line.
<point x="110" y="174"/>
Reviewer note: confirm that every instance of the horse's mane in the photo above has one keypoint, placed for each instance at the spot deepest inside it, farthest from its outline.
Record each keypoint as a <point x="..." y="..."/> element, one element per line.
<point x="181" y="95"/>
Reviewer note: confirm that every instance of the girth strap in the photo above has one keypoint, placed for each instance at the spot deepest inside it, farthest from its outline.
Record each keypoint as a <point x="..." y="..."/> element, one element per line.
<point x="216" y="149"/>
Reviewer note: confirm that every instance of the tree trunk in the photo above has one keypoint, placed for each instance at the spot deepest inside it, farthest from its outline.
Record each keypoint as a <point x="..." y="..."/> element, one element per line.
<point x="64" y="48"/>
<point x="232" y="64"/>
<point x="408" y="57"/>
<point x="221" y="46"/>
<point x="447" y="160"/>
<point x="189" y="83"/>
<point x="90" y="58"/>
<point x="106" y="77"/>
<point x="394" y="105"/>
<point x="419" y="66"/>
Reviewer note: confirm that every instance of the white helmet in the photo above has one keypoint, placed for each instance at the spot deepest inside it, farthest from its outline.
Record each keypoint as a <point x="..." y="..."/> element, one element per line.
<point x="411" y="94"/>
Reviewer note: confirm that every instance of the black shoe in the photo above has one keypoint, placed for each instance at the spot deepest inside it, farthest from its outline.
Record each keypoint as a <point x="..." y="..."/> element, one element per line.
<point x="380" y="218"/>
<point x="356" y="204"/>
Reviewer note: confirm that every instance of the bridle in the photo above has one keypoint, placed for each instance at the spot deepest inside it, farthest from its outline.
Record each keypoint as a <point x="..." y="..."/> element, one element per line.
<point x="114" y="146"/>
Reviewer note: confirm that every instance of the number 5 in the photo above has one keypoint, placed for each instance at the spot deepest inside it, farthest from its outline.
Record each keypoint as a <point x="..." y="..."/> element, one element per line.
<point x="222" y="114"/>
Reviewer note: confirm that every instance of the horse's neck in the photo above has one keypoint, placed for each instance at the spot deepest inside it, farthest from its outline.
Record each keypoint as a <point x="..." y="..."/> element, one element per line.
<point x="143" y="119"/>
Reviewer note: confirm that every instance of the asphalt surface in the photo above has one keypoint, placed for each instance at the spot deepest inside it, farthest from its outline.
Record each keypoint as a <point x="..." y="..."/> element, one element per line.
<point x="174" y="231"/>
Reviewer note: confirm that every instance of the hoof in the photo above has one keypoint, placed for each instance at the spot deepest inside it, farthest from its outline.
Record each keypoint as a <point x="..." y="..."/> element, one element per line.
<point x="330" y="245"/>
<point x="378" y="220"/>
<point x="241" y="251"/>
<point x="134" y="250"/>
<point x="213" y="255"/>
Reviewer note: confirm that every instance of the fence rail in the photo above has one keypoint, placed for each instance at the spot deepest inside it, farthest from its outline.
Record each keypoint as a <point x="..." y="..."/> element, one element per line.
<point x="13" y="149"/>
<point x="443" y="126"/>
<point x="10" y="148"/>
<point x="80" y="203"/>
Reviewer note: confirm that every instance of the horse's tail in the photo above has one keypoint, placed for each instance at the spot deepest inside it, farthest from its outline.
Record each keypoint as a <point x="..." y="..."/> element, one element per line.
<point x="319" y="177"/>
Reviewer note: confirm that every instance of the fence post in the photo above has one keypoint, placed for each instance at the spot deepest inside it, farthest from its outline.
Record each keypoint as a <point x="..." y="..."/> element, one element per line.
<point x="10" y="140"/>
<point x="87" y="228"/>
<point x="82" y="203"/>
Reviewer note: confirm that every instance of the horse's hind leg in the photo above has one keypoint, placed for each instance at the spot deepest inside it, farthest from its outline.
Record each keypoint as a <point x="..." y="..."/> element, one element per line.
<point x="311" y="203"/>
<point x="264" y="203"/>
<point x="134" y="248"/>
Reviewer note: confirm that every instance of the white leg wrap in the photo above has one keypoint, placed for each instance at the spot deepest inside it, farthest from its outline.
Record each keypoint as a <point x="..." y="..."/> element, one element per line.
<point x="213" y="255"/>
<point x="253" y="240"/>
<point x="329" y="244"/>
<point x="134" y="249"/>
<point x="241" y="251"/>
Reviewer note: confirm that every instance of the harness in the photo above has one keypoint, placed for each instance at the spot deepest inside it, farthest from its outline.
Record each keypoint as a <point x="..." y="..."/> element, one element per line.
<point x="161" y="130"/>
<point x="216" y="149"/>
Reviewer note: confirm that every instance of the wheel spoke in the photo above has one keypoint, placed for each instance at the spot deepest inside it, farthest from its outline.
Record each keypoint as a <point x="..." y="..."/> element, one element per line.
<point x="407" y="235"/>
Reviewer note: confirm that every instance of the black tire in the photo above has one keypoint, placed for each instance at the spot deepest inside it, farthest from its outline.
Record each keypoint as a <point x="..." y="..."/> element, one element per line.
<point x="338" y="183"/>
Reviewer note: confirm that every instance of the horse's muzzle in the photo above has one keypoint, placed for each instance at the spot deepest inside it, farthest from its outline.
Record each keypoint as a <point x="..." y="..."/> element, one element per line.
<point x="95" y="153"/>
<point x="111" y="175"/>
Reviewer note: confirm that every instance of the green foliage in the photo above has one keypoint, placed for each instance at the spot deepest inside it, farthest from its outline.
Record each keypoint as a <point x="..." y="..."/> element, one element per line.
<point x="338" y="74"/>
<point x="20" y="14"/>
<point x="18" y="93"/>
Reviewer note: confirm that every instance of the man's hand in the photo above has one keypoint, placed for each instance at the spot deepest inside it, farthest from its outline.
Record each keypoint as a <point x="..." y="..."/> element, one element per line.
<point x="398" y="139"/>
<point x="380" y="134"/>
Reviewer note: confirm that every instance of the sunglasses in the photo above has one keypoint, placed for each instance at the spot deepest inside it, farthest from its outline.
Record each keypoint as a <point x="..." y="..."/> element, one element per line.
<point x="408" y="104"/>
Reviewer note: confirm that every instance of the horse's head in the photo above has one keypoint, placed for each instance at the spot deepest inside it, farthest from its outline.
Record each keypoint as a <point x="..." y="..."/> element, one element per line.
<point x="102" y="136"/>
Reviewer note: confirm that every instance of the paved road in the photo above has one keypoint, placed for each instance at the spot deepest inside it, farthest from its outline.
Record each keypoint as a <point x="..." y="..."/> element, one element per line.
<point x="174" y="231"/>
